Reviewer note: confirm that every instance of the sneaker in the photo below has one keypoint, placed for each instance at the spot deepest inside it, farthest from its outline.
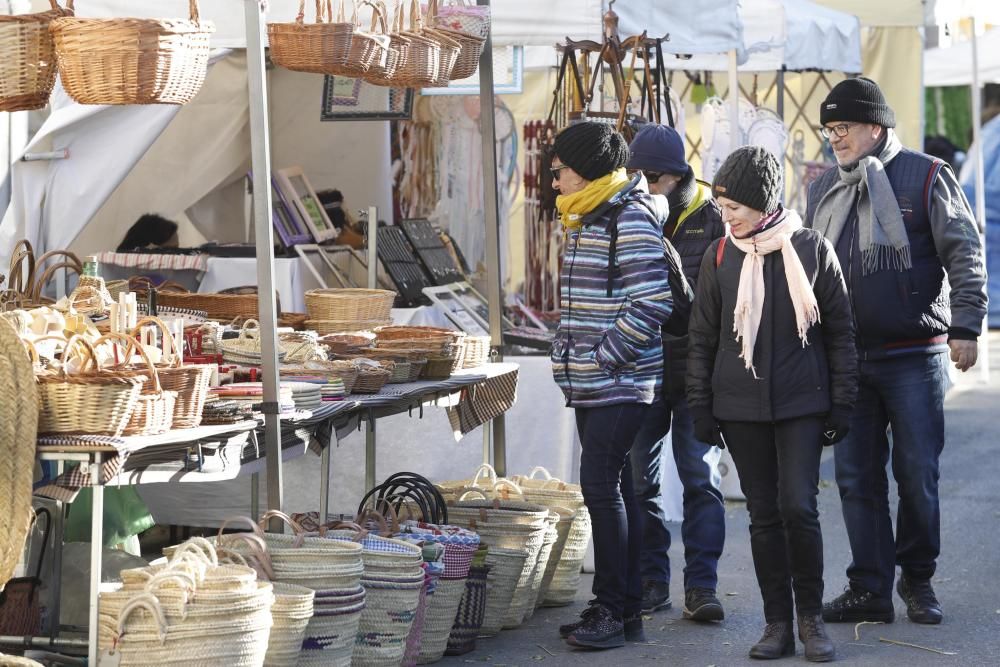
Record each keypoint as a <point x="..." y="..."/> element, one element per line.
<point x="600" y="629"/>
<point x="634" y="631"/>
<point x="855" y="605"/>
<point x="655" y="596"/>
<point x="700" y="604"/>
<point x="812" y="633"/>
<point x="567" y="629"/>
<point x="777" y="642"/>
<point x="922" y="605"/>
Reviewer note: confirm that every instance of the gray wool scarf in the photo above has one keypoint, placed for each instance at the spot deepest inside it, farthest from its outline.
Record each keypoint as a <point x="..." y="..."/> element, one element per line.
<point x="881" y="232"/>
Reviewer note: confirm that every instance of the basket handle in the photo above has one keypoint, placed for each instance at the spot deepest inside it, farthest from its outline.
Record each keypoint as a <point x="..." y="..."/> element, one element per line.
<point x="193" y="12"/>
<point x="201" y="548"/>
<point x="362" y="533"/>
<point x="132" y="346"/>
<point x="29" y="347"/>
<point x="167" y="336"/>
<point x="536" y="469"/>
<point x="490" y="472"/>
<point x="257" y="530"/>
<point x="259" y="558"/>
<point x="287" y="520"/>
<point x="504" y="483"/>
<point x="148" y="602"/>
<point x="70" y="344"/>
<point x="380" y="520"/>
<point x="465" y="495"/>
<point x="22" y="253"/>
<point x="378" y="17"/>
<point x="182" y="576"/>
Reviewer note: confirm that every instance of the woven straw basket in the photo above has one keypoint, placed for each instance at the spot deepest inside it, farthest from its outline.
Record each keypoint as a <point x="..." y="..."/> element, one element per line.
<point x="320" y="48"/>
<point x="28" y="66"/>
<point x="190" y="382"/>
<point x="133" y="61"/>
<point x="349" y="304"/>
<point x="154" y="408"/>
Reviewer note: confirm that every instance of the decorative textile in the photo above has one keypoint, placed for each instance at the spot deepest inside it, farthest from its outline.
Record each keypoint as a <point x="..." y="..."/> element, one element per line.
<point x="881" y="231"/>
<point x="750" y="296"/>
<point x="573" y="207"/>
<point x="154" y="262"/>
<point x="482" y="402"/>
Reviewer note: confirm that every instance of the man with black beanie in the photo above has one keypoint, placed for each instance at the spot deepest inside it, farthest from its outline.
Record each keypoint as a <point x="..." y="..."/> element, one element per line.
<point x="901" y="225"/>
<point x="693" y="223"/>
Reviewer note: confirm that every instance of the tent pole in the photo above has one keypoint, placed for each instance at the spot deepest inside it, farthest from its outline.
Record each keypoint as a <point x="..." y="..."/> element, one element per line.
<point x="735" y="140"/>
<point x="977" y="126"/>
<point x="781" y="93"/>
<point x="491" y="214"/>
<point x="260" y="152"/>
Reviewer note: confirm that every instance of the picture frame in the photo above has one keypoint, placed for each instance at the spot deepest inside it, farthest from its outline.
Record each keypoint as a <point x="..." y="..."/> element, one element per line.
<point x="297" y="190"/>
<point x="289" y="227"/>
<point x="345" y="265"/>
<point x="465" y="307"/>
<point x="346" y="99"/>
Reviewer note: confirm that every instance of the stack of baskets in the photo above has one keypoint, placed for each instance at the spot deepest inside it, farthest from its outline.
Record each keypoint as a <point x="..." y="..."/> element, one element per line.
<point x="246" y="349"/>
<point x="441" y="347"/>
<point x="190" y="382"/>
<point x="334" y="311"/>
<point x="344" y="371"/>
<point x="347" y="344"/>
<point x="372" y="376"/>
<point x="28" y="68"/>
<point x="191" y="609"/>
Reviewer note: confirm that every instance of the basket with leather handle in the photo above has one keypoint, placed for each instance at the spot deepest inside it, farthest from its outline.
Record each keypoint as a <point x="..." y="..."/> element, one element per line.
<point x="20" y="612"/>
<point x="28" y="68"/>
<point x="132" y="60"/>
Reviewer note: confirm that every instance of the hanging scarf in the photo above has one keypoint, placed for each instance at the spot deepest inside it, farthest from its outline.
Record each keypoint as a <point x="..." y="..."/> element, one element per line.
<point x="750" y="296"/>
<point x="881" y="232"/>
<point x="573" y="207"/>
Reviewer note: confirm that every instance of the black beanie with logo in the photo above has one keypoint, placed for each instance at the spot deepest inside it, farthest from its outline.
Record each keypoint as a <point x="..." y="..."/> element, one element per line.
<point x="857" y="100"/>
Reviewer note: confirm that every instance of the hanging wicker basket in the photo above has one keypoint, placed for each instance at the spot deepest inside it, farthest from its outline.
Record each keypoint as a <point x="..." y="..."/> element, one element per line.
<point x="133" y="61"/>
<point x="28" y="66"/>
<point x="320" y="48"/>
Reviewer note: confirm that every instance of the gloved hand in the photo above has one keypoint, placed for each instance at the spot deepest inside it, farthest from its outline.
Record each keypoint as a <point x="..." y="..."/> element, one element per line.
<point x="706" y="429"/>
<point x="838" y="424"/>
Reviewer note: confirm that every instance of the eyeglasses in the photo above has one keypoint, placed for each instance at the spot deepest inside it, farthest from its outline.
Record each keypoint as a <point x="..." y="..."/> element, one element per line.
<point x="652" y="176"/>
<point x="839" y="130"/>
<point x="555" y="171"/>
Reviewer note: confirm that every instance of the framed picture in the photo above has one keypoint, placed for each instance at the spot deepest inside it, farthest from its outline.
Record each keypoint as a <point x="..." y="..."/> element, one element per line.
<point x="345" y="98"/>
<point x="465" y="307"/>
<point x="345" y="265"/>
<point x="298" y="192"/>
<point x="287" y="223"/>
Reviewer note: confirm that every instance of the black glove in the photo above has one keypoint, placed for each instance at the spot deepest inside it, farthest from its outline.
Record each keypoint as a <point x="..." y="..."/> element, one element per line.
<point x="706" y="429"/>
<point x="838" y="424"/>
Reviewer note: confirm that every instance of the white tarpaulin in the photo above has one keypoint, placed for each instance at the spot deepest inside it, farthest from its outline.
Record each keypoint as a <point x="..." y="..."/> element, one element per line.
<point x="528" y="22"/>
<point x="708" y="26"/>
<point x="819" y="38"/>
<point x="952" y="66"/>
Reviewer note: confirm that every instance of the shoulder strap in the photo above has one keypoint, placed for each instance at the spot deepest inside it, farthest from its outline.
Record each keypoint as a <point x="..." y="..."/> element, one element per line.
<point x="932" y="174"/>
<point x="720" y="250"/>
<point x="613" y="233"/>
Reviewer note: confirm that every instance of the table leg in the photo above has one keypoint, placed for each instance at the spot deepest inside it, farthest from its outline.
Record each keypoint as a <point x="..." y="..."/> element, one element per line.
<point x="324" y="482"/>
<point x="255" y="495"/>
<point x="370" y="454"/>
<point x="96" y="546"/>
<point x="55" y="589"/>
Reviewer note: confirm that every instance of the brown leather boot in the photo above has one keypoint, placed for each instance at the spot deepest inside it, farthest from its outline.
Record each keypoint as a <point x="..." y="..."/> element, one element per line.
<point x="777" y="642"/>
<point x="812" y="633"/>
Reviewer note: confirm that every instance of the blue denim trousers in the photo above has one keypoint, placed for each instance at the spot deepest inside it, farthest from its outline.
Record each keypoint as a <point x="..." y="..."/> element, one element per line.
<point x="904" y="395"/>
<point x="703" y="530"/>
<point x="606" y="437"/>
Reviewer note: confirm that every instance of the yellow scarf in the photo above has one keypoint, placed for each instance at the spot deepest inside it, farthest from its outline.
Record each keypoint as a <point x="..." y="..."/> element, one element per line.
<point x="573" y="207"/>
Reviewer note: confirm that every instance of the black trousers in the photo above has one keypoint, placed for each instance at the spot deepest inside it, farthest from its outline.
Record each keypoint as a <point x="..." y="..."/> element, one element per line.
<point x="606" y="435"/>
<point x="778" y="465"/>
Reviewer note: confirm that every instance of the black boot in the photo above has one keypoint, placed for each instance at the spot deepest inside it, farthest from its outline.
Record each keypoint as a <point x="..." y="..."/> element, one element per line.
<point x="855" y="605"/>
<point x="922" y="605"/>
<point x="567" y="629"/>
<point x="634" y="631"/>
<point x="812" y="633"/>
<point x="655" y="596"/>
<point x="700" y="604"/>
<point x="777" y="642"/>
<point x="600" y="629"/>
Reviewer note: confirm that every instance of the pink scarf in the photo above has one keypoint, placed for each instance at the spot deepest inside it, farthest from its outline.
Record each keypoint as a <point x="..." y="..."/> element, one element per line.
<point x="750" y="296"/>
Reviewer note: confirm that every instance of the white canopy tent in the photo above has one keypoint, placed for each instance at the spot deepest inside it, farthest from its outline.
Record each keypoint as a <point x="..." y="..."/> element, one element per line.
<point x="951" y="65"/>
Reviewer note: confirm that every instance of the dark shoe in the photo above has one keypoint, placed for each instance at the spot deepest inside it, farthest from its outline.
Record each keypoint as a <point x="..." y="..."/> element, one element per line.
<point x="777" y="642"/>
<point x="922" y="605"/>
<point x="812" y="633"/>
<point x="856" y="605"/>
<point x="655" y="596"/>
<point x="700" y="604"/>
<point x="633" y="628"/>
<point x="567" y="629"/>
<point x="600" y="629"/>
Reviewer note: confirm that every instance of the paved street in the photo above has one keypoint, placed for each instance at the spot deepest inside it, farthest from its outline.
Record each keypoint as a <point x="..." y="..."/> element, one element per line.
<point x="966" y="581"/>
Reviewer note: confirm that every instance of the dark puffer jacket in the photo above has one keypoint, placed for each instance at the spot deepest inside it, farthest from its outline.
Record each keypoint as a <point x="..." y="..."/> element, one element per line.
<point x="793" y="380"/>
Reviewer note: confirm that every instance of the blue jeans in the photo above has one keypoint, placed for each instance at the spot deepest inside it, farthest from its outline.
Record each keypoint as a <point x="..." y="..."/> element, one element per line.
<point x="606" y="437"/>
<point x="704" y="528"/>
<point x="907" y="396"/>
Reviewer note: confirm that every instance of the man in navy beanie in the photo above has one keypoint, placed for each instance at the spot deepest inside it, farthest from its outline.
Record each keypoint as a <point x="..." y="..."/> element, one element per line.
<point x="693" y="223"/>
<point x="901" y="226"/>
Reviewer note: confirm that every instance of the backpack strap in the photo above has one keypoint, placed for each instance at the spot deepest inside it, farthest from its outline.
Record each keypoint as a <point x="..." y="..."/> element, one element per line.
<point x="932" y="175"/>
<point x="720" y="251"/>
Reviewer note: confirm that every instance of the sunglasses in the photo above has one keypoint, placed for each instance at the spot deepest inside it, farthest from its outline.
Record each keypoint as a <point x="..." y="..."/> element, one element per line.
<point x="652" y="176"/>
<point x="555" y="171"/>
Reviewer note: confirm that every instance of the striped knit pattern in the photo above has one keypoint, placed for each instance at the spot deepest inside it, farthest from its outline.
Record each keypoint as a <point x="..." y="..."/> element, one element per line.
<point x="607" y="349"/>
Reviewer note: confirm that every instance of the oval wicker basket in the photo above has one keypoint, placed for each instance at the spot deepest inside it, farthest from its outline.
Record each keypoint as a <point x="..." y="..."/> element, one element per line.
<point x="349" y="304"/>
<point x="327" y="327"/>
<point x="28" y="66"/>
<point x="320" y="48"/>
<point x="190" y="381"/>
<point x="133" y="61"/>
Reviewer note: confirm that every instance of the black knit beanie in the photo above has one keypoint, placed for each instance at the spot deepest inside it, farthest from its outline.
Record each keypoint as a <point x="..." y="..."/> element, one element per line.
<point x="591" y="149"/>
<point x="857" y="100"/>
<point x="750" y="176"/>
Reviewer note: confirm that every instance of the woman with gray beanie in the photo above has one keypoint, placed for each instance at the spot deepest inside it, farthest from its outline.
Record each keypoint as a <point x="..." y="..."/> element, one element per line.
<point x="772" y="374"/>
<point x="607" y="356"/>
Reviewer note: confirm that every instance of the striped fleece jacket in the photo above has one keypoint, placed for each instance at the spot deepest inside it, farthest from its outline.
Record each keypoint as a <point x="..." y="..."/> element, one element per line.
<point x="607" y="350"/>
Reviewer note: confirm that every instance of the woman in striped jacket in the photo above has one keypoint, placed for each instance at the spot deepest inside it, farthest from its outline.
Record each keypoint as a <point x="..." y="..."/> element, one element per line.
<point x="607" y="357"/>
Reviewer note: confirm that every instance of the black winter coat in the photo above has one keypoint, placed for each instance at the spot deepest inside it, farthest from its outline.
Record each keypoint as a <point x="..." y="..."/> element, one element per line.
<point x="793" y="381"/>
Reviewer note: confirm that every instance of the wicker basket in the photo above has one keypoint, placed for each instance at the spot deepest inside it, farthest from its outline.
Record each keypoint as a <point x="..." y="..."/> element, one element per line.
<point x="398" y="55"/>
<point x="475" y="351"/>
<point x="450" y="48"/>
<point x="350" y="304"/>
<point x="369" y="50"/>
<point x="28" y="67"/>
<point x="190" y="382"/>
<point x="345" y="371"/>
<point x="133" y="61"/>
<point x="319" y="48"/>
<point x="463" y="17"/>
<point x="423" y="55"/>
<point x="438" y="368"/>
<point x="371" y="380"/>
<point x="471" y="48"/>
<point x="88" y="402"/>
<point x="347" y="344"/>
<point x="417" y="334"/>
<point x="219" y="307"/>
<point x="154" y="409"/>
<point x="327" y="327"/>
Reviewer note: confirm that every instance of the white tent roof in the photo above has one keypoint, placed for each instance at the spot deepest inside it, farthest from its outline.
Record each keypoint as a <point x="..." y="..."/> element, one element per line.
<point x="952" y="66"/>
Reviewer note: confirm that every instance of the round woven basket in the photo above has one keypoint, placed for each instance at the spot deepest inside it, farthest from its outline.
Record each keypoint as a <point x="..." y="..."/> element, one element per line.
<point x="18" y="434"/>
<point x="133" y="61"/>
<point x="28" y="66"/>
<point x="349" y="304"/>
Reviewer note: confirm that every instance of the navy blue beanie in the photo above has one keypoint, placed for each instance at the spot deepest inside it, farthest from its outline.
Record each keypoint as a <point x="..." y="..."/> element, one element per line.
<point x="658" y="148"/>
